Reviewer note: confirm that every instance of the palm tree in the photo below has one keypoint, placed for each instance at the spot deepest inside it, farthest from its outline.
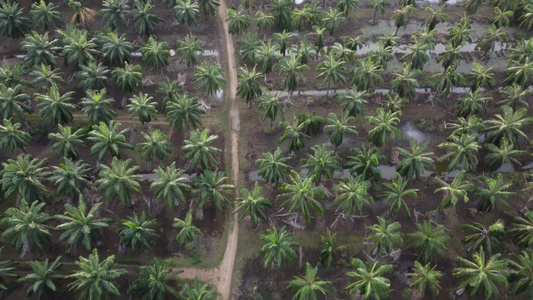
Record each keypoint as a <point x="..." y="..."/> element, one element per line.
<point x="495" y="192"/>
<point x="107" y="139"/>
<point x="428" y="241"/>
<point x="184" y="111"/>
<point x="504" y="154"/>
<point x="279" y="246"/>
<point x="481" y="77"/>
<point x="272" y="108"/>
<point x="12" y="21"/>
<point x="471" y="6"/>
<point x="332" y="20"/>
<point x="188" y="49"/>
<point x="453" y="192"/>
<point x="311" y="122"/>
<point x="451" y="56"/>
<point x="238" y="21"/>
<point x="435" y="16"/>
<point x="71" y="177"/>
<point x="11" y="76"/>
<point x="114" y="12"/>
<point x="155" y="54"/>
<point x="352" y="195"/>
<point x="45" y="77"/>
<point x="346" y="6"/>
<point x="249" y="88"/>
<point x="264" y="21"/>
<point x="40" y="49"/>
<point x="364" y="162"/>
<point x="82" y="15"/>
<point x="478" y="233"/>
<point x="307" y="286"/>
<point x="46" y="15"/>
<point x="27" y="226"/>
<point x="341" y="51"/>
<point x="385" y="236"/>
<point x="330" y="246"/>
<point x="473" y="104"/>
<point x="492" y="36"/>
<point x="153" y="281"/>
<point x="399" y="16"/>
<point x="116" y="49"/>
<point x="481" y="276"/>
<point x="508" y="125"/>
<point x="129" y="77"/>
<point x="93" y="76"/>
<point x="170" y="184"/>
<point x="199" y="150"/>
<point x="424" y="276"/>
<point x="155" y="145"/>
<point x="118" y="181"/>
<point x="13" y="102"/>
<point x="80" y="225"/>
<point x="405" y="84"/>
<point x="470" y="125"/>
<point x="523" y="228"/>
<point x="24" y="177"/>
<point x="209" y="78"/>
<point x="211" y="187"/>
<point x="97" y="107"/>
<point x="137" y="232"/>
<point x="501" y="17"/>
<point x="514" y="95"/>
<point x="395" y="192"/>
<point x="54" y="106"/>
<point x="199" y="290"/>
<point x="415" y="160"/>
<point x="378" y="5"/>
<point x="294" y="132"/>
<point x="521" y="275"/>
<point x="43" y="277"/>
<point x="12" y="138"/>
<point x="369" y="281"/>
<point x="301" y="194"/>
<point x="463" y="152"/>
<point x="417" y="55"/>
<point x="291" y="69"/>
<point x="338" y="128"/>
<point x="142" y="106"/>
<point x="273" y="167"/>
<point x="366" y="74"/>
<point x="520" y="73"/>
<point x="281" y="11"/>
<point x="96" y="278"/>
<point x="167" y="92"/>
<point x="266" y="53"/>
<point x="187" y="12"/>
<point x="252" y="203"/>
<point x="323" y="162"/>
<point x="143" y="19"/>
<point x="6" y="270"/>
<point x="188" y="231"/>
<point x="384" y="124"/>
<point x="209" y="7"/>
<point x="319" y="30"/>
<point x="331" y="70"/>
<point x="78" y="48"/>
<point x="352" y="102"/>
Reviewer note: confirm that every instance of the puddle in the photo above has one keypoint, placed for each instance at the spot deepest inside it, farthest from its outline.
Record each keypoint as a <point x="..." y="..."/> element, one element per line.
<point x="172" y="52"/>
<point x="410" y="130"/>
<point x="387" y="172"/>
<point x="136" y="54"/>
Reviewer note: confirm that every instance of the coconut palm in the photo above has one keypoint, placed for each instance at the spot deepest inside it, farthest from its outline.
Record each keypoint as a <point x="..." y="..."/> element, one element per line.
<point x="352" y="195"/>
<point x="12" y="20"/>
<point x="12" y="138"/>
<point x="424" y="276"/>
<point x="209" y="78"/>
<point x="496" y="191"/>
<point x="13" y="102"/>
<point x="341" y="51"/>
<point x="462" y="153"/>
<point x="107" y="139"/>
<point x="364" y="162"/>
<point x="40" y="49"/>
<point x="46" y="15"/>
<point x="199" y="290"/>
<point x="400" y="15"/>
<point x="323" y="162"/>
<point x="417" y="55"/>
<point x="279" y="246"/>
<point x="330" y="246"/>
<point x="80" y="225"/>
<point x="118" y="180"/>
<point x="366" y="74"/>
<point x="487" y="42"/>
<point x="306" y="287"/>
<point x="352" y="102"/>
<point x="82" y="15"/>
<point x="382" y="53"/>
<point x="481" y="276"/>
<point x="143" y="19"/>
<point x="318" y="31"/>
<point x="385" y="236"/>
<point x="471" y="6"/>
<point x="24" y="177"/>
<point x="514" y="95"/>
<point x="115" y="12"/>
<point x="95" y="278"/>
<point x="378" y="5"/>
<point x="199" y="150"/>
<point x="478" y="233"/>
<point x="310" y="122"/>
<point x="301" y="195"/>
<point x="253" y="203"/>
<point x="238" y="21"/>
<point x="266" y="54"/>
<point x="188" y="49"/>
<point x="473" y="104"/>
<point x="155" y="54"/>
<point x="43" y="277"/>
<point x="187" y="12"/>
<point x="331" y="70"/>
<point x="520" y="73"/>
<point x="129" y="77"/>
<point x="291" y="69"/>
<point x="264" y="21"/>
<point x="155" y="145"/>
<point x="250" y="44"/>
<point x="338" y="128"/>
<point x="501" y="17"/>
<point x="184" y="112"/>
<point x="170" y="185"/>
<point x="471" y="125"/>
<point x="116" y="49"/>
<point x="93" y="76"/>
<point x="11" y="76"/>
<point x="384" y="123"/>
<point x="332" y="20"/>
<point x="430" y="242"/>
<point x="481" y="77"/>
<point x="272" y="108"/>
<point x="97" y="107"/>
<point x="405" y="84"/>
<point x="395" y="192"/>
<point x="167" y="92"/>
<point x="294" y="132"/>
<point x="504" y="154"/>
<point x="273" y="167"/>
<point x="508" y="125"/>
<point x="45" y="77"/>
<point x="414" y="160"/>
<point x="301" y="17"/>
<point x="435" y="16"/>
<point x="369" y="281"/>
<point x="79" y="49"/>
<point x="70" y="177"/>
<point x="523" y="229"/>
<point x="453" y="191"/>
<point x="188" y="231"/>
<point x="249" y="88"/>
<point x="142" y="106"/>
<point x="281" y="11"/>
<point x="521" y="273"/>
<point x="211" y="188"/>
<point x="54" y="106"/>
<point x="137" y="231"/>
<point x="346" y="6"/>
<point x="153" y="281"/>
<point x="208" y="7"/>
<point x="6" y="270"/>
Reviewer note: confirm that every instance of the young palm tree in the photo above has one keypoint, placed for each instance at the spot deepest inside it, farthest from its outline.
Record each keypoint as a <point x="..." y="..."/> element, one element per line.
<point x="115" y="12"/>
<point x="366" y="74"/>
<point x="291" y="69"/>
<point x="96" y="278"/>
<point x="209" y="78"/>
<point x="170" y="185"/>
<point x="45" y="76"/>
<point x="187" y="12"/>
<point x="501" y="17"/>
<point x="378" y="5"/>
<point x="252" y="203"/>
<point x="352" y="195"/>
<point x="341" y="51"/>
<point x="188" y="231"/>
<point x="153" y="282"/>
<point x="273" y="167"/>
<point x="385" y="123"/>
<point x="71" y="177"/>
<point x="281" y="11"/>
<point x="82" y="15"/>
<point x="199" y="150"/>
<point x="346" y="6"/>
<point x="473" y="104"/>
<point x="520" y="73"/>
<point x="107" y="139"/>
<point x="79" y="49"/>
<point x="116" y="49"/>
<point x="188" y="49"/>
<point x="208" y="7"/>
<point x="211" y="187"/>
<point x="505" y="154"/>
<point x="338" y="128"/>
<point x="118" y="181"/>
<point x="417" y="55"/>
<point x="184" y="111"/>
<point x="80" y="225"/>
<point x="415" y="160"/>
<point x="13" y="102"/>
<point x="264" y="21"/>
<point x="66" y="139"/>
<point x="279" y="246"/>
<point x="12" y="20"/>
<point x="481" y="276"/>
<point x="311" y="122"/>
<point x="369" y="281"/>
<point x="424" y="276"/>
<point x="40" y="49"/>
<point x="97" y="107"/>
<point x="272" y="108"/>
<point x="330" y="246"/>
<point x="428" y="241"/>
<point x="143" y="106"/>
<point x="23" y="177"/>
<point x="318" y="31"/>
<point x="508" y="125"/>
<point x="400" y="15"/>
<point x="200" y="290"/>
<point x="496" y="191"/>
<point x="238" y="21"/>
<point x="462" y="153"/>
<point x="129" y="77"/>
<point x="521" y="273"/>
<point x="137" y="231"/>
<point x="167" y="92"/>
<point x="364" y="162"/>
<point x="514" y="95"/>
<point x="435" y="16"/>
<point x="155" y="54"/>
<point x="266" y="54"/>
<point x="12" y="76"/>
<point x="453" y="191"/>
<point x="405" y="84"/>
<point x="323" y="162"/>
<point x="385" y="236"/>
<point x="93" y="76"/>
<point x="471" y="6"/>
<point x="249" y="88"/>
<point x="12" y="138"/>
<point x="249" y="47"/>
<point x="352" y="102"/>
<point x="54" y="106"/>
<point x="395" y="192"/>
<point x="43" y="277"/>
<point x="523" y="228"/>
<point x="481" y="77"/>
<point x="143" y="19"/>
<point x="46" y="15"/>
<point x="332" y="20"/>
<point x="306" y="287"/>
<point x="478" y="233"/>
<point x="294" y="132"/>
<point x="6" y="270"/>
<point x="155" y="145"/>
<point x="331" y="70"/>
<point x="26" y="225"/>
<point x="301" y="195"/>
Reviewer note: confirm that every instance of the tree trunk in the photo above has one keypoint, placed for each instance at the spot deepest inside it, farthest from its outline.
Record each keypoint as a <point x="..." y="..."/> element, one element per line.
<point x="435" y="213"/>
<point x="327" y="92"/>
<point x="334" y="150"/>
<point x="374" y="17"/>
<point x="396" y="32"/>
<point x="265" y="36"/>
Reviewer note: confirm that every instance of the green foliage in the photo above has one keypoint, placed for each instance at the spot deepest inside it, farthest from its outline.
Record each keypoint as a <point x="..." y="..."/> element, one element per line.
<point x="306" y="287"/>
<point x="12" y="21"/>
<point x="478" y="233"/>
<point x="395" y="192"/>
<point x="115" y="12"/>
<point x="137" y="232"/>
<point x="384" y="124"/>
<point x="40" y="49"/>
<point x="143" y="106"/>
<point x="184" y="111"/>
<point x="321" y="163"/>
<point x="54" y="106"/>
<point x="153" y="282"/>
<point x="129" y="77"/>
<point x="279" y="246"/>
<point x="424" y="276"/>
<point x="352" y="195"/>
<point x="385" y="236"/>
<point x="365" y="162"/>
<point x="97" y="107"/>
<point x="212" y="188"/>
<point x="301" y="194"/>
<point x="188" y="231"/>
<point x="428" y="241"/>
<point x="118" y="180"/>
<point x="414" y="160"/>
<point x="369" y="281"/>
<point x="199" y="150"/>
<point x="170" y="185"/>
<point x="155" y="145"/>
<point x="43" y="277"/>
<point x="46" y="15"/>
<point x="273" y="167"/>
<point x="71" y="177"/>
<point x="12" y="138"/>
<point x="238" y="21"/>
<point x="252" y="203"/>
<point x="107" y="139"/>
<point x="23" y="177"/>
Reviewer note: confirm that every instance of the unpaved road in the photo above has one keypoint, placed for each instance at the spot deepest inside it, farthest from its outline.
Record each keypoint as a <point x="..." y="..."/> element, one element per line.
<point x="222" y="275"/>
